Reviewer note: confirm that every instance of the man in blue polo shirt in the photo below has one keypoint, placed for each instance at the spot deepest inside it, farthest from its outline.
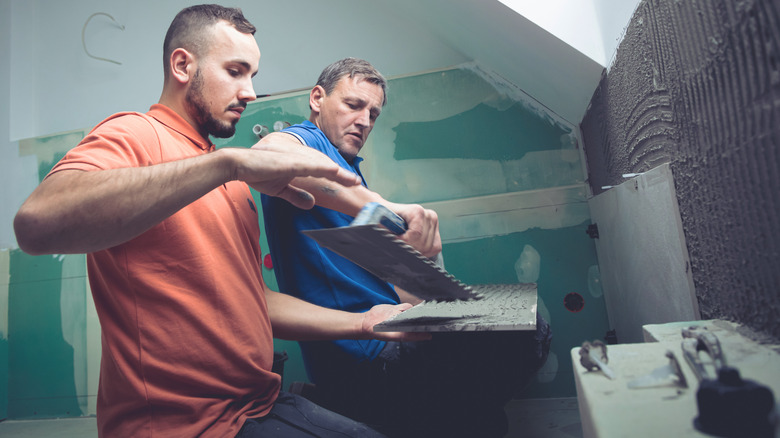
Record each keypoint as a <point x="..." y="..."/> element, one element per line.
<point x="453" y="385"/>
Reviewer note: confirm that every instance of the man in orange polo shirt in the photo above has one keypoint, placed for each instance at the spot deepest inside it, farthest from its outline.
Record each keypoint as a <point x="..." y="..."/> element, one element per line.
<point x="171" y="232"/>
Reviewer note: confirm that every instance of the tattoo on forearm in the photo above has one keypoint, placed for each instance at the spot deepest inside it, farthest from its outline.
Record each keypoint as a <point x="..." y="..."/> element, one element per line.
<point x="329" y="190"/>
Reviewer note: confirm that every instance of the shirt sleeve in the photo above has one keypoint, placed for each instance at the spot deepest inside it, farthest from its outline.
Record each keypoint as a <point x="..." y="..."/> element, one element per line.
<point x="297" y="136"/>
<point x="309" y="137"/>
<point x="123" y="140"/>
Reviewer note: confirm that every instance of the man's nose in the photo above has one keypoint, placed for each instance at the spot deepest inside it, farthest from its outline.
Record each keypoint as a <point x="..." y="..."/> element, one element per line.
<point x="247" y="92"/>
<point x="364" y="118"/>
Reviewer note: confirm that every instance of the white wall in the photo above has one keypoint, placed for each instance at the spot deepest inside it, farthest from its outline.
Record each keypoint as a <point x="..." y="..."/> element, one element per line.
<point x="66" y="89"/>
<point x="18" y="175"/>
<point x="594" y="27"/>
<point x="612" y="17"/>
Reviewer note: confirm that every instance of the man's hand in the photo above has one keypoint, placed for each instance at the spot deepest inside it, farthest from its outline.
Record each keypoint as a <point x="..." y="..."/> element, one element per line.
<point x="274" y="161"/>
<point x="381" y="312"/>
<point x="423" y="228"/>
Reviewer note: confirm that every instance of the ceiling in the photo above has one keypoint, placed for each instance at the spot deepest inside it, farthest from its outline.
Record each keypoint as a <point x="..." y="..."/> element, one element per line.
<point x="511" y="46"/>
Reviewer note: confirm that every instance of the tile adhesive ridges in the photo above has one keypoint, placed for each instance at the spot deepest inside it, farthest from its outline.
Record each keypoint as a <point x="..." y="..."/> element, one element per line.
<point x="697" y="84"/>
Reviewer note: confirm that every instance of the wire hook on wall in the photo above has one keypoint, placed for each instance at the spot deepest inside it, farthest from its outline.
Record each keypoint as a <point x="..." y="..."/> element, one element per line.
<point x="84" y="43"/>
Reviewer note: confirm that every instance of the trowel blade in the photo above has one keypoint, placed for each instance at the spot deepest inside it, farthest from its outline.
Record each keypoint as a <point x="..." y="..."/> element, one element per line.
<point x="661" y="376"/>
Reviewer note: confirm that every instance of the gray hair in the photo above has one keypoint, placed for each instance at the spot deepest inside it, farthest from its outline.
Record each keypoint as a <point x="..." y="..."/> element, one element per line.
<point x="331" y="75"/>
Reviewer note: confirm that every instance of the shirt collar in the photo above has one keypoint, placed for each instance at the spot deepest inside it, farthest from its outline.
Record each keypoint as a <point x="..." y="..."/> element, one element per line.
<point x="173" y="120"/>
<point x="355" y="161"/>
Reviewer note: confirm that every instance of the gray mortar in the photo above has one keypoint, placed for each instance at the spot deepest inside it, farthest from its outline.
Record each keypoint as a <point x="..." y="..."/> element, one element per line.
<point x="697" y="84"/>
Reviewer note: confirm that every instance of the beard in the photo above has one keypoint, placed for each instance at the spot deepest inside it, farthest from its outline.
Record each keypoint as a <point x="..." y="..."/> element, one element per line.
<point x="205" y="120"/>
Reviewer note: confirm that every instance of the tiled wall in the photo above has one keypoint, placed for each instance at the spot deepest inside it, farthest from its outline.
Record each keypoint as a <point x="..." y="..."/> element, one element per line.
<point x="697" y="85"/>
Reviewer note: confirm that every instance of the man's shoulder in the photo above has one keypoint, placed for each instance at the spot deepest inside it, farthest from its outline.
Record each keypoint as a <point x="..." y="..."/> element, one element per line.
<point x="309" y="134"/>
<point x="127" y="121"/>
<point x="131" y="118"/>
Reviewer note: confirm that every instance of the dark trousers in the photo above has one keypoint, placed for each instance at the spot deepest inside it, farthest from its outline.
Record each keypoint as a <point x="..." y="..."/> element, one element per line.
<point x="455" y="385"/>
<point x="296" y="417"/>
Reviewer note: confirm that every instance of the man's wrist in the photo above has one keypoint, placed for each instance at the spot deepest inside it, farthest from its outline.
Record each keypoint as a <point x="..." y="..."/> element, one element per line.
<point x="226" y="161"/>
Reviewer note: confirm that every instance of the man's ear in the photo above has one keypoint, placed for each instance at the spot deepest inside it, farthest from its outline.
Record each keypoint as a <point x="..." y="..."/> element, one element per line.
<point x="315" y="97"/>
<point x="182" y="65"/>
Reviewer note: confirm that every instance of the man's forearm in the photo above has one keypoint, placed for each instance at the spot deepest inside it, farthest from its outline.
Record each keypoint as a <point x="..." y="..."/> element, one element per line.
<point x="347" y="200"/>
<point x="423" y="224"/>
<point x="407" y="297"/>
<point x="298" y="320"/>
<point x="76" y="211"/>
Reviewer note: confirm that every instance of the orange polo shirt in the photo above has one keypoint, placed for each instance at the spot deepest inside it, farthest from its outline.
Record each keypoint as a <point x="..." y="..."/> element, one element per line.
<point x="187" y="345"/>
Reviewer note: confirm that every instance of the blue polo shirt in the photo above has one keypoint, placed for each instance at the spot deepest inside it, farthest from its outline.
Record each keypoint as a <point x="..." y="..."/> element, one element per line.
<point x="315" y="274"/>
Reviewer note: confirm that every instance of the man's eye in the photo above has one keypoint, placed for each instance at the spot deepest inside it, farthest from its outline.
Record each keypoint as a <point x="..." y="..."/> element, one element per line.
<point x="234" y="73"/>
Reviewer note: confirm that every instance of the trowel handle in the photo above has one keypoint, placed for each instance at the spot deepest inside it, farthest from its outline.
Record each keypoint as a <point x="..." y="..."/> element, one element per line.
<point x="696" y="340"/>
<point x="691" y="353"/>
<point x="710" y="343"/>
<point x="376" y="213"/>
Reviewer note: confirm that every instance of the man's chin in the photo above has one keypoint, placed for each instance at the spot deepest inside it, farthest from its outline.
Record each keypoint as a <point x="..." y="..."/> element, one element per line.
<point x="223" y="134"/>
<point x="222" y="131"/>
<point x="349" y="150"/>
<point x="347" y="155"/>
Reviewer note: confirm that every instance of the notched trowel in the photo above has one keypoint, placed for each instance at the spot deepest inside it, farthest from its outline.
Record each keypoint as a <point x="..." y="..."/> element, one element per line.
<point x="376" y="213"/>
<point x="372" y="242"/>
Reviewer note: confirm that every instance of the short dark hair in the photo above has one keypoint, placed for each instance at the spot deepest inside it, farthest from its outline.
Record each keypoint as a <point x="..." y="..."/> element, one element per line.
<point x="189" y="29"/>
<point x="331" y="75"/>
